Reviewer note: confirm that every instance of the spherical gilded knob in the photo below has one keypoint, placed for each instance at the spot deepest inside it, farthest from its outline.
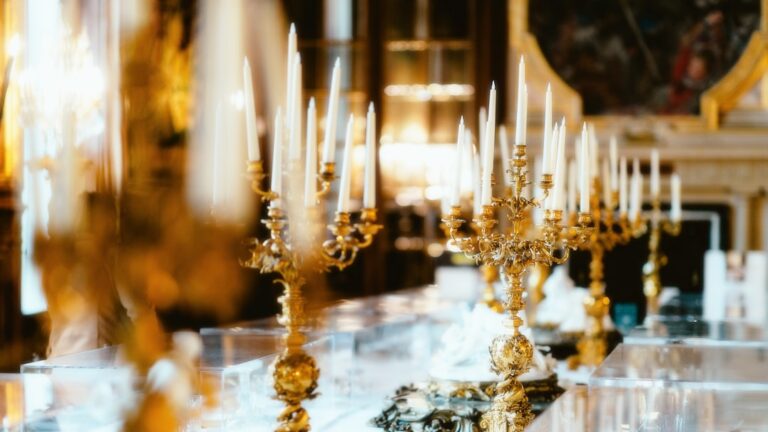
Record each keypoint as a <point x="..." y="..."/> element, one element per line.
<point x="511" y="354"/>
<point x="295" y="376"/>
<point x="597" y="306"/>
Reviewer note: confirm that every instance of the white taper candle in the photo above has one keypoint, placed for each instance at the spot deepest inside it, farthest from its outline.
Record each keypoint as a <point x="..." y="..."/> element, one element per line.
<point x="584" y="175"/>
<point x="675" y="212"/>
<point x="549" y="203"/>
<point x="490" y="135"/>
<point x="504" y="144"/>
<point x="277" y="157"/>
<point x="561" y="149"/>
<point x="310" y="172"/>
<point x="294" y="149"/>
<point x="456" y="189"/>
<point x="519" y="122"/>
<point x="655" y="180"/>
<point x="252" y="133"/>
<point x="369" y="191"/>
<point x="573" y="178"/>
<point x="525" y="115"/>
<point x="482" y="124"/>
<point x="623" y="186"/>
<point x="289" y="97"/>
<point x="613" y="154"/>
<point x="329" y="143"/>
<point x="477" y="180"/>
<point x="558" y="198"/>
<point x="636" y="201"/>
<point x="607" y="196"/>
<point x="345" y="184"/>
<point x="548" y="145"/>
<point x="292" y="48"/>
<point x="594" y="152"/>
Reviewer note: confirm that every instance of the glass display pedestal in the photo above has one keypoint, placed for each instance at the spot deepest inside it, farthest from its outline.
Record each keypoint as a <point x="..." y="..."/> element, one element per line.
<point x="677" y="388"/>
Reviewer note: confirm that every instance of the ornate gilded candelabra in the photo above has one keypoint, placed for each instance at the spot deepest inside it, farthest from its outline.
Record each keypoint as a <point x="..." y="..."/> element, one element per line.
<point x="512" y="253"/>
<point x="295" y="372"/>
<point x="607" y="234"/>
<point x="656" y="259"/>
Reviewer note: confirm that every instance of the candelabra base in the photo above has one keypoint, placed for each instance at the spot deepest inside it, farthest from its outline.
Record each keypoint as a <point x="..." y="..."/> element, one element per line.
<point x="510" y="411"/>
<point x="295" y="375"/>
<point x="454" y="406"/>
<point x="511" y="356"/>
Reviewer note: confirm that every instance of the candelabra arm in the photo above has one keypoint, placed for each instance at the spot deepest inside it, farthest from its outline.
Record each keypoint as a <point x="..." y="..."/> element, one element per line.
<point x="452" y="223"/>
<point x="255" y="171"/>
<point x="349" y="238"/>
<point x="672" y="227"/>
<point x="367" y="228"/>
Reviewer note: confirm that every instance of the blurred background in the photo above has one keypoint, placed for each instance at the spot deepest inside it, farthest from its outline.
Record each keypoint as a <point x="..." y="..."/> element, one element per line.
<point x="639" y="68"/>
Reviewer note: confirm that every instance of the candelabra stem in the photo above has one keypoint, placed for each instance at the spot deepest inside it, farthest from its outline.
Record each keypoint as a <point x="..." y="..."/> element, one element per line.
<point x="490" y="276"/>
<point x="295" y="372"/>
<point x="511" y="356"/>
<point x="593" y="346"/>
<point x="651" y="277"/>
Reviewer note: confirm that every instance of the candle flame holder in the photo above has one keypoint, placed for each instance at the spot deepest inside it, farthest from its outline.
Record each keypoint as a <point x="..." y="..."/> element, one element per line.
<point x="607" y="234"/>
<point x="656" y="258"/>
<point x="512" y="252"/>
<point x="295" y="372"/>
<point x="326" y="176"/>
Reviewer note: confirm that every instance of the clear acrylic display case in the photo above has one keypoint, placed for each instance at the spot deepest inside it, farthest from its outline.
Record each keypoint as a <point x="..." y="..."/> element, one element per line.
<point x="681" y="388"/>
<point x="366" y="349"/>
<point x="695" y="331"/>
<point x="567" y="414"/>
<point x="236" y="366"/>
<point x="678" y="388"/>
<point x="78" y="392"/>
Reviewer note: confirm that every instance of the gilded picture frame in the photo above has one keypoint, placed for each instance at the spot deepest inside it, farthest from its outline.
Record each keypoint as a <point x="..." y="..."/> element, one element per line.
<point x="715" y="102"/>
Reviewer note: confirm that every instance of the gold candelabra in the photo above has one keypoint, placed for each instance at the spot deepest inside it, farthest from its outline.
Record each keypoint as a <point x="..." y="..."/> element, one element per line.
<point x="656" y="259"/>
<point x="607" y="234"/>
<point x="295" y="372"/>
<point x="512" y="252"/>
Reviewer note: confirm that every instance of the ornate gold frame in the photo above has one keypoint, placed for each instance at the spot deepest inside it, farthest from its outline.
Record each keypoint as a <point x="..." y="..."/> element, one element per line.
<point x="721" y="98"/>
